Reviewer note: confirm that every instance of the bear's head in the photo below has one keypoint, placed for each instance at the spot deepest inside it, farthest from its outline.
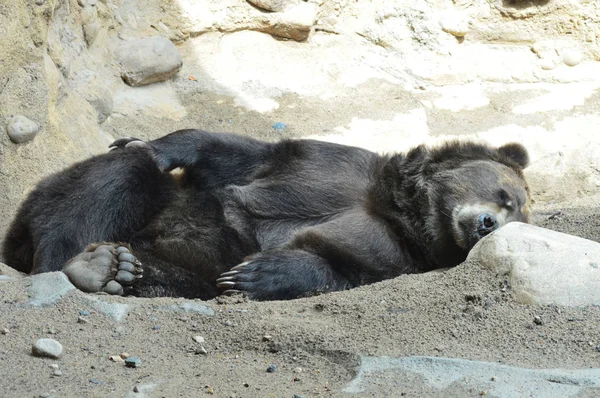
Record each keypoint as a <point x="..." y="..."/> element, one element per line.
<point x="469" y="190"/>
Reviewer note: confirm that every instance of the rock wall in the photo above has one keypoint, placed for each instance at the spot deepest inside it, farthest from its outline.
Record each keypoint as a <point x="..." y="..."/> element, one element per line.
<point x="75" y="74"/>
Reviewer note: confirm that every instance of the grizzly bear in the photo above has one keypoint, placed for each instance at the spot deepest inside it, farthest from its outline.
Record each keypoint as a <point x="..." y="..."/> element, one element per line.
<point x="272" y="220"/>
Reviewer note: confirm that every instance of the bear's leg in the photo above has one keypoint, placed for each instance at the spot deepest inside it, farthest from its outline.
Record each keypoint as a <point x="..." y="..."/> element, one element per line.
<point x="282" y="275"/>
<point x="107" y="198"/>
<point x="104" y="267"/>
<point x="211" y="160"/>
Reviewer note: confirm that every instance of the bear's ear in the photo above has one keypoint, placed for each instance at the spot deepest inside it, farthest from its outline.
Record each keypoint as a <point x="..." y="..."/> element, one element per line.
<point x="515" y="153"/>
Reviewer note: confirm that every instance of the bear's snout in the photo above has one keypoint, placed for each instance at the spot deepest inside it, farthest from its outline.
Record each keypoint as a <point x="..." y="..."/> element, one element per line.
<point x="487" y="223"/>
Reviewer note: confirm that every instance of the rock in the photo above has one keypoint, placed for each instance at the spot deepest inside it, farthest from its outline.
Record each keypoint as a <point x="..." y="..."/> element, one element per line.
<point x="547" y="64"/>
<point x="133" y="362"/>
<point x="82" y="320"/>
<point x="455" y="24"/>
<point x="84" y="313"/>
<point x="21" y="129"/>
<point x="47" y="348"/>
<point x="272" y="5"/>
<point x="201" y="350"/>
<point x="57" y="373"/>
<point x="48" y="288"/>
<point x="148" y="60"/>
<point x="198" y="339"/>
<point x="272" y="368"/>
<point x="544" y="266"/>
<point x="10" y="272"/>
<point x="460" y="377"/>
<point x="5" y="331"/>
<point x="572" y="57"/>
<point x="279" y="126"/>
<point x="116" y="358"/>
<point x="267" y="337"/>
<point x="538" y="320"/>
<point x="295" y="23"/>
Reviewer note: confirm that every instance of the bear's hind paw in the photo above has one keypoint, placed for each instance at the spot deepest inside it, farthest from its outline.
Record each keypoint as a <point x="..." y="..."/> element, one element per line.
<point x="105" y="267"/>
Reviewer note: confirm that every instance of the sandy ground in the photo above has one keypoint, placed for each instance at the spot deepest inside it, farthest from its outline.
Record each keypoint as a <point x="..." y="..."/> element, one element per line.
<point x="315" y="343"/>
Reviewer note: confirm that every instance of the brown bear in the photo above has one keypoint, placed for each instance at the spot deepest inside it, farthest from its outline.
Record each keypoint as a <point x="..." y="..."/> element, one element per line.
<point x="272" y="220"/>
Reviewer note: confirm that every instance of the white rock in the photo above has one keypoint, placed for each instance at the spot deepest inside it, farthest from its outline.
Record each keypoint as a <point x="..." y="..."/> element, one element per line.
<point x="544" y="266"/>
<point x="572" y="57"/>
<point x="149" y="60"/>
<point x="198" y="339"/>
<point x="21" y="129"/>
<point x="47" y="348"/>
<point x="295" y="23"/>
<point x="547" y="64"/>
<point x="272" y="5"/>
<point x="455" y="24"/>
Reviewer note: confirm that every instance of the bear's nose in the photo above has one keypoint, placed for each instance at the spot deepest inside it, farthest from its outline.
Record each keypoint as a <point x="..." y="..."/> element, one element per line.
<point x="487" y="224"/>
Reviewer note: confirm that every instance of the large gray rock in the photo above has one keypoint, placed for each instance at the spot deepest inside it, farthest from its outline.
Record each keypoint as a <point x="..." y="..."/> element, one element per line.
<point x="545" y="267"/>
<point x="149" y="60"/>
<point x="430" y="376"/>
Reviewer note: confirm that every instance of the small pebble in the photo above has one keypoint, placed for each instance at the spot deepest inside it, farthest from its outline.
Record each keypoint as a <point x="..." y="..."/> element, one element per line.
<point x="124" y="355"/>
<point x="116" y="358"/>
<point x="267" y="337"/>
<point x="538" y="320"/>
<point x="54" y="366"/>
<point x="198" y="339"/>
<point x="598" y="348"/>
<point x="155" y="327"/>
<point x="82" y="320"/>
<point x="297" y="396"/>
<point x="228" y="323"/>
<point x="201" y="350"/>
<point x="547" y="64"/>
<point x="95" y="381"/>
<point x="133" y="362"/>
<point x="47" y="348"/>
<point x="298" y="370"/>
<point x="279" y="126"/>
<point x="5" y="331"/>
<point x="84" y="313"/>
<point x="572" y="57"/>
<point x="271" y="369"/>
<point x="57" y="373"/>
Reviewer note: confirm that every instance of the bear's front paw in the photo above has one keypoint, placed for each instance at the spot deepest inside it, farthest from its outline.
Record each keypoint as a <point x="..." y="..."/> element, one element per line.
<point x="280" y="275"/>
<point x="106" y="267"/>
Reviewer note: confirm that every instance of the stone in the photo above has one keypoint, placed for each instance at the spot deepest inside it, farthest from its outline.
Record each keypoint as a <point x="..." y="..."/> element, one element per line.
<point x="455" y="24"/>
<point x="572" y="57"/>
<point x="48" y="288"/>
<point x="149" y="60"/>
<point x="21" y="129"/>
<point x="198" y="339"/>
<point x="434" y="376"/>
<point x="10" y="272"/>
<point x="133" y="362"/>
<point x="272" y="5"/>
<point x="544" y="266"/>
<point x="116" y="358"/>
<point x="201" y="351"/>
<point x="47" y="348"/>
<point x="295" y="23"/>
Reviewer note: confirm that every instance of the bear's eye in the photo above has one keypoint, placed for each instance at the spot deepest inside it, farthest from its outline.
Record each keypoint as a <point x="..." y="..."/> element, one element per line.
<point x="505" y="199"/>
